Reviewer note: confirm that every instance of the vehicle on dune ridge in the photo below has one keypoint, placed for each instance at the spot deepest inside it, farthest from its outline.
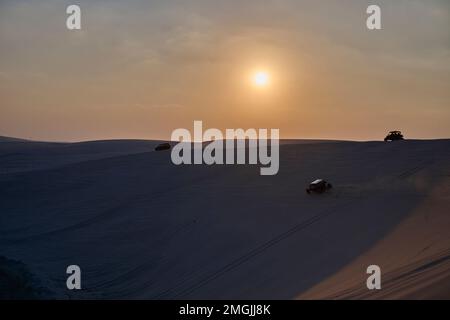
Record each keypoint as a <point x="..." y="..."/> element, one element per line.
<point x="162" y="146"/>
<point x="393" y="136"/>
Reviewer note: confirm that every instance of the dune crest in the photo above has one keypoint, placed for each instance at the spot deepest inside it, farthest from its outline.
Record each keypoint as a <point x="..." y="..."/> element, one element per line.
<point x="140" y="227"/>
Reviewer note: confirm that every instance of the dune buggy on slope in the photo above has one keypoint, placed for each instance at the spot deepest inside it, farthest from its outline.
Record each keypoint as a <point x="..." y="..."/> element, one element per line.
<point x="318" y="186"/>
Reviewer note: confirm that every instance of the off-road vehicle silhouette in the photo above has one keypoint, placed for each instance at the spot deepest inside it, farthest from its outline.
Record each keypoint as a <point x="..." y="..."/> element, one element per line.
<point x="318" y="186"/>
<point x="162" y="146"/>
<point x="394" y="135"/>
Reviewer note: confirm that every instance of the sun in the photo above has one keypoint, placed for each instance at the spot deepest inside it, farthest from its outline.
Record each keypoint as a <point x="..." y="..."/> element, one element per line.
<point x="261" y="79"/>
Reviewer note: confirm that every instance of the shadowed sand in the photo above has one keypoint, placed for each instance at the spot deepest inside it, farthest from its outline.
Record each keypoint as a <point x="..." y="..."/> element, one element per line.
<point x="141" y="227"/>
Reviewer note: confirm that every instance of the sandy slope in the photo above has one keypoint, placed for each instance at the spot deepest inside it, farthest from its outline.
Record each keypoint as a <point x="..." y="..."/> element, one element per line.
<point x="414" y="258"/>
<point x="140" y="227"/>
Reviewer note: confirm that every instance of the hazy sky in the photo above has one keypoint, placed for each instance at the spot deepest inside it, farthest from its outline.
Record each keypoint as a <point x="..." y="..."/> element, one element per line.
<point x="140" y="69"/>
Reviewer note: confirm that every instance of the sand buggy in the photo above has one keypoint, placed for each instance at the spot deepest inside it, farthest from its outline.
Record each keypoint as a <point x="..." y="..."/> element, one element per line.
<point x="318" y="186"/>
<point x="394" y="135"/>
<point x="162" y="146"/>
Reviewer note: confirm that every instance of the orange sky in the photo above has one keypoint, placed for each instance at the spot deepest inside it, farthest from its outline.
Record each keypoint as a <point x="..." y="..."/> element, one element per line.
<point x="140" y="69"/>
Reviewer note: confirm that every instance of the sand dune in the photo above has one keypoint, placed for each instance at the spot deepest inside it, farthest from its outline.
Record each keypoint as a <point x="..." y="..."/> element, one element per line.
<point x="140" y="227"/>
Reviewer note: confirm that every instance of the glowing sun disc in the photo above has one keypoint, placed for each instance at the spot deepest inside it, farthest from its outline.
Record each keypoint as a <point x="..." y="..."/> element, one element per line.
<point x="261" y="79"/>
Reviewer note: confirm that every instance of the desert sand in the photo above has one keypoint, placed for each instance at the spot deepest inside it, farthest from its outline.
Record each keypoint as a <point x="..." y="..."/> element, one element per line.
<point x="140" y="227"/>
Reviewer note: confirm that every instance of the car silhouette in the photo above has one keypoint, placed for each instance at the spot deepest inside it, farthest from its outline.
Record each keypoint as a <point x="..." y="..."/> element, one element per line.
<point x="162" y="146"/>
<point x="319" y="186"/>
<point x="394" y="135"/>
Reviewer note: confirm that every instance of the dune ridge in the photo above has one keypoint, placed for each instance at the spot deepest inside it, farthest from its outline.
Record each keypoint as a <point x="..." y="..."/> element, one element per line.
<point x="142" y="228"/>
